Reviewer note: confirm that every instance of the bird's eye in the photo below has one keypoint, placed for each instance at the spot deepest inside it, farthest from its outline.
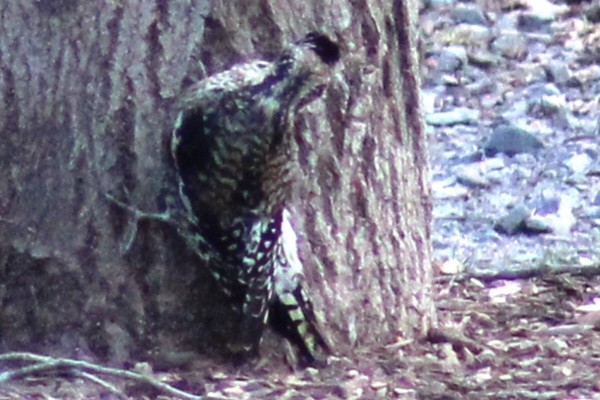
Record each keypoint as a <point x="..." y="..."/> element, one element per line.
<point x="325" y="48"/>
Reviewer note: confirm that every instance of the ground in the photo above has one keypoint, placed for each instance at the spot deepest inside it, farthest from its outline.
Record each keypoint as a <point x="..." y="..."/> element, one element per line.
<point x="523" y="339"/>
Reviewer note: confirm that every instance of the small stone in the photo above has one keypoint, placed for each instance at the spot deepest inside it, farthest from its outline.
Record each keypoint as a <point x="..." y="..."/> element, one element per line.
<point x="530" y="22"/>
<point x="437" y="3"/>
<point x="517" y="111"/>
<point x="593" y="12"/>
<point x="465" y="34"/>
<point x="451" y="192"/>
<point x="452" y="58"/>
<point x="546" y="89"/>
<point x="469" y="14"/>
<point x="483" y="59"/>
<point x="460" y="115"/>
<point x="579" y="163"/>
<point x="452" y="267"/>
<point x="558" y="71"/>
<point x="514" y="221"/>
<point x="536" y="224"/>
<point x="510" y="45"/>
<point x="577" y="180"/>
<point x="506" y="22"/>
<point x="494" y="163"/>
<point x="511" y="140"/>
<point x="553" y="104"/>
<point x="471" y="177"/>
<point x="593" y="212"/>
<point x="481" y="86"/>
<point x="428" y="99"/>
<point x="553" y="213"/>
<point x="546" y="9"/>
<point x="376" y="385"/>
<point x="585" y="76"/>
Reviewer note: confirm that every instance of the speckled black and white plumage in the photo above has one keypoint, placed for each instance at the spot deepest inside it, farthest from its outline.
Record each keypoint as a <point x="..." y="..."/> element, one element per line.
<point x="231" y="146"/>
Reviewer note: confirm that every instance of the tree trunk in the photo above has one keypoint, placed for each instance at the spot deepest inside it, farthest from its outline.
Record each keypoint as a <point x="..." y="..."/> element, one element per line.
<point x="89" y="91"/>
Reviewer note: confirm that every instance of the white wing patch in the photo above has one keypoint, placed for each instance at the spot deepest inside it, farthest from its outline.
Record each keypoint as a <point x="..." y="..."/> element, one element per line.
<point x="290" y="272"/>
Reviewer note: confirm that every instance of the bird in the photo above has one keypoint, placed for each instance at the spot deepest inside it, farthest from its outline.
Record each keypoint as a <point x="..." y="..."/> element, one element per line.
<point x="231" y="147"/>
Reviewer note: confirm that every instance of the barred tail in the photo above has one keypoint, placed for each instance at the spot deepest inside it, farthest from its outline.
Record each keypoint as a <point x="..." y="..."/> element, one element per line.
<point x="292" y="314"/>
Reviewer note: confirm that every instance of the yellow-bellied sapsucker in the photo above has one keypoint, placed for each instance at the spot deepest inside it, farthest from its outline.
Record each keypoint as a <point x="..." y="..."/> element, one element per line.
<point x="231" y="147"/>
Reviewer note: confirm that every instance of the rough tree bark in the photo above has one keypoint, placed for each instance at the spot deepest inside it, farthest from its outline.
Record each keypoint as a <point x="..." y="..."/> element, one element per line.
<point x="88" y="91"/>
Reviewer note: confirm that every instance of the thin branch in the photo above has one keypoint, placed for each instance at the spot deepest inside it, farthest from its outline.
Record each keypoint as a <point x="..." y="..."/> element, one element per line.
<point x="523" y="273"/>
<point x="185" y="225"/>
<point x="28" y="370"/>
<point x="44" y="363"/>
<point x="166" y="216"/>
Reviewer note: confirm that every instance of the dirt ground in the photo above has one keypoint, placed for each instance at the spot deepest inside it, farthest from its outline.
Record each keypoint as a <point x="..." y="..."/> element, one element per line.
<point x="506" y="339"/>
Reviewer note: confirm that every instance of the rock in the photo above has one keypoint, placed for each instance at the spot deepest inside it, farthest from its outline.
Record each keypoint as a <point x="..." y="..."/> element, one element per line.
<point x="460" y="115"/>
<point x="517" y="111"/>
<point x="553" y="104"/>
<point x="510" y="45"/>
<point x="437" y="3"/>
<point x="452" y="58"/>
<point x="469" y="14"/>
<point x="579" y="163"/>
<point x="482" y="59"/>
<point x="555" y="107"/>
<point x="450" y="192"/>
<point x="452" y="267"/>
<point x="592" y="13"/>
<point x="482" y="86"/>
<point x="447" y="210"/>
<point x="507" y="22"/>
<point x="546" y="9"/>
<point x="558" y="71"/>
<point x="465" y="34"/>
<point x="587" y="75"/>
<point x="494" y="163"/>
<point x="511" y="140"/>
<point x="428" y="99"/>
<point x="536" y="225"/>
<point x="554" y="211"/>
<point x="544" y="89"/>
<point x="534" y="73"/>
<point x="577" y="180"/>
<point x="530" y="22"/>
<point x="471" y="176"/>
<point x="496" y="170"/>
<point x="593" y="212"/>
<point x="513" y="222"/>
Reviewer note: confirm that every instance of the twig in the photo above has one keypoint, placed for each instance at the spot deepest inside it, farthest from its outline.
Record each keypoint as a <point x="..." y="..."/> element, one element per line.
<point x="28" y="370"/>
<point x="523" y="273"/>
<point x="48" y="363"/>
<point x="165" y="217"/>
<point x="185" y="225"/>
